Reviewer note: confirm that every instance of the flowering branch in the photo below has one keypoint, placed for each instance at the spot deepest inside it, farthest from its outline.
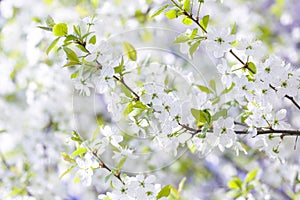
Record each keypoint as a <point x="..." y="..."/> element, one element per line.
<point x="190" y="16"/>
<point x="243" y="132"/>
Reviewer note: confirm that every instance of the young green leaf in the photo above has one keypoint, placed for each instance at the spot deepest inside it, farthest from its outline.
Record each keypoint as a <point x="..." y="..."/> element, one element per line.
<point x="93" y="40"/>
<point x="164" y="192"/>
<point x="220" y="113"/>
<point x="67" y="171"/>
<point x="171" y="14"/>
<point x="204" y="21"/>
<point x="187" y="21"/>
<point x="67" y="158"/>
<point x="80" y="151"/>
<point x="187" y="5"/>
<point x="49" y="21"/>
<point x="204" y="89"/>
<point x="159" y="11"/>
<point x="52" y="45"/>
<point x="252" y="67"/>
<point x="193" y="48"/>
<point x="60" y="29"/>
<point x="251" y="176"/>
<point x="130" y="51"/>
<point x="71" y="55"/>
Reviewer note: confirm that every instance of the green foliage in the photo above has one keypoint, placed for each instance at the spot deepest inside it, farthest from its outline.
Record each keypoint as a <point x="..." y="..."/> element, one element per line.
<point x="67" y="171"/>
<point x="201" y="116"/>
<point x="80" y="151"/>
<point x="171" y="14"/>
<point x="239" y="188"/>
<point x="159" y="11"/>
<point x="60" y="29"/>
<point x="170" y="192"/>
<point x="186" y="5"/>
<point x="130" y="51"/>
<point x="67" y="158"/>
<point x="93" y="40"/>
<point x="76" y="137"/>
<point x="52" y="45"/>
<point x="71" y="55"/>
<point x="187" y="21"/>
<point x="252" y="67"/>
<point x="204" y="21"/>
<point x="205" y="89"/>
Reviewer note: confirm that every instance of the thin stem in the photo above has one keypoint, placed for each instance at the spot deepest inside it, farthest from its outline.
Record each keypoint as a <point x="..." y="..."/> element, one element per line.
<point x="198" y="11"/>
<point x="236" y="57"/>
<point x="244" y="132"/>
<point x="103" y="165"/>
<point x="245" y="65"/>
<point x="287" y="96"/>
<point x="293" y="101"/>
<point x="121" y="80"/>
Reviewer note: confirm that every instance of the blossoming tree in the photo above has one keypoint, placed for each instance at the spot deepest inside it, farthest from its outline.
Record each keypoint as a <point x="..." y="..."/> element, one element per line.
<point x="180" y="99"/>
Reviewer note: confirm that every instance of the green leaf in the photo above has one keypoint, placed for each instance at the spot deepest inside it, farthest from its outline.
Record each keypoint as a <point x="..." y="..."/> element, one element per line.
<point x="187" y="5"/>
<point x="164" y="192"/>
<point x="233" y="30"/>
<point x="236" y="183"/>
<point x="107" y="177"/>
<point x="49" y="21"/>
<point x="204" y="89"/>
<point x="181" y="38"/>
<point x="74" y="75"/>
<point x="215" y="100"/>
<point x="228" y="89"/>
<point x="130" y="51"/>
<point x="193" y="48"/>
<point x="202" y="116"/>
<point x="252" y="67"/>
<point x="221" y="113"/>
<point x="67" y="158"/>
<point x="187" y="21"/>
<point x="77" y="31"/>
<point x="80" y="151"/>
<point x="159" y="11"/>
<point x="70" y="38"/>
<point x="3" y="131"/>
<point x="71" y="64"/>
<point x="71" y="55"/>
<point x="52" y="45"/>
<point x="194" y="33"/>
<point x="234" y="194"/>
<point x="67" y="171"/>
<point x="93" y="40"/>
<point x="171" y="14"/>
<point x="120" y="68"/>
<point x="76" y="137"/>
<point x="212" y="84"/>
<point x="45" y="28"/>
<point x="251" y="176"/>
<point x="121" y="163"/>
<point x="60" y="29"/>
<point x="204" y="21"/>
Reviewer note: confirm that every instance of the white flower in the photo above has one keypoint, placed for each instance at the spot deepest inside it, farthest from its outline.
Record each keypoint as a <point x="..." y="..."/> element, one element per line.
<point x="101" y="53"/>
<point x="218" y="41"/>
<point x="112" y="136"/>
<point x="225" y="70"/>
<point x="224" y="129"/>
<point x="86" y="166"/>
<point x="83" y="86"/>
